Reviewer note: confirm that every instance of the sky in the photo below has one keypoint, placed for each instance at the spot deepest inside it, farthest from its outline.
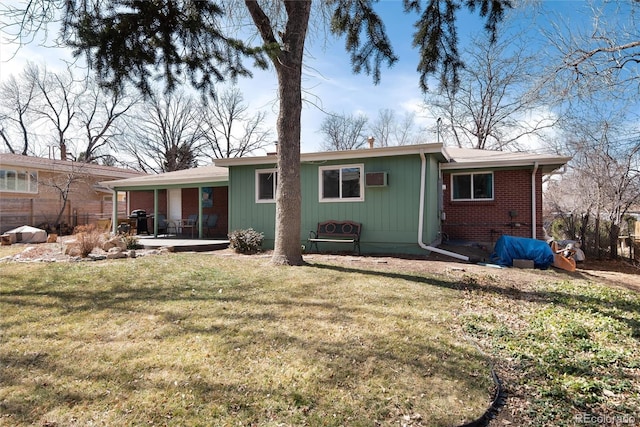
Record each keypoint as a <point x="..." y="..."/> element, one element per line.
<point x="329" y="84"/>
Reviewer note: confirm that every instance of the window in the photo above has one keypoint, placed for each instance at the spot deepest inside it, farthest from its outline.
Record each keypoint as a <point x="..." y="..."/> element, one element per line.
<point x="341" y="183"/>
<point x="11" y="180"/>
<point x="33" y="182"/>
<point x="18" y="181"/>
<point x="266" y="181"/>
<point x="473" y="186"/>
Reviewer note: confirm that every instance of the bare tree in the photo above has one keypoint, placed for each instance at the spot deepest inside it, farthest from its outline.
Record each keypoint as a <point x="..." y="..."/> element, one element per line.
<point x="58" y="103"/>
<point x="165" y="133"/>
<point x="16" y="115"/>
<point x="221" y="119"/>
<point x="595" y="74"/>
<point x="604" y="55"/>
<point x="79" y="115"/>
<point x="389" y="130"/>
<point x="343" y="132"/>
<point x="498" y="104"/>
<point x="571" y="200"/>
<point x="382" y="128"/>
<point x="98" y="116"/>
<point x="349" y="132"/>
<point x="63" y="185"/>
<point x="605" y="172"/>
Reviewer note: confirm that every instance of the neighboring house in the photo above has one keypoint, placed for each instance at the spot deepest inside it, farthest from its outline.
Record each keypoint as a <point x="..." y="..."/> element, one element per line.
<point x="633" y="223"/>
<point x="407" y="198"/>
<point x="33" y="189"/>
<point x="175" y="196"/>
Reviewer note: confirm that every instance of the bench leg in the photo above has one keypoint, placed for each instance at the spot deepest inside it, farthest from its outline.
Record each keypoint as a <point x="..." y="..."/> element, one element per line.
<point x="311" y="244"/>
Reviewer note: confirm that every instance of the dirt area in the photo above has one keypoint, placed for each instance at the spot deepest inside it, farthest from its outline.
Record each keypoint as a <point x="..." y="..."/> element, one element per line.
<point x="616" y="273"/>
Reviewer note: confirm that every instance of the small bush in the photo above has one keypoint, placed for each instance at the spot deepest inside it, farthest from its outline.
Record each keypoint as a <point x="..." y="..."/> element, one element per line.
<point x="246" y="241"/>
<point x="87" y="238"/>
<point x="130" y="241"/>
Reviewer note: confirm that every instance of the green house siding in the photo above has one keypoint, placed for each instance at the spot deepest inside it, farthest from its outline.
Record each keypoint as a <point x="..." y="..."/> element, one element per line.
<point x="244" y="212"/>
<point x="389" y="214"/>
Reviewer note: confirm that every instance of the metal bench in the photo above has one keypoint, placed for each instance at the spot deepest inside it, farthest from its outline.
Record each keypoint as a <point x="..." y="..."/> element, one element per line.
<point x="336" y="232"/>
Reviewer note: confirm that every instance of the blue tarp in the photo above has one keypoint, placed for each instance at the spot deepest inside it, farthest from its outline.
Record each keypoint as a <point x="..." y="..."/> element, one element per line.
<point x="509" y="248"/>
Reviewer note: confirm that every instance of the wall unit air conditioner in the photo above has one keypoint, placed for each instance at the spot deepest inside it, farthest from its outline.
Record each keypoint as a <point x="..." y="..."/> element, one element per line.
<point x="376" y="179"/>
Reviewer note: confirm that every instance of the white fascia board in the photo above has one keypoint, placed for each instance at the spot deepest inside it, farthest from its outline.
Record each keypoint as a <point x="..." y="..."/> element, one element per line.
<point x="189" y="177"/>
<point x="555" y="163"/>
<point x="339" y="155"/>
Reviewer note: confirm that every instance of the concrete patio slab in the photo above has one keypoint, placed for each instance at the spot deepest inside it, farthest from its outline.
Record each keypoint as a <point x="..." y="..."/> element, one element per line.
<point x="182" y="245"/>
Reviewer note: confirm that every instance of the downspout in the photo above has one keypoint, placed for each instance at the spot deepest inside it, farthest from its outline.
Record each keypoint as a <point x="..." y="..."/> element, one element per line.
<point x="155" y="213"/>
<point x="114" y="211"/>
<point x="534" y="223"/>
<point x="423" y="175"/>
<point x="200" y="211"/>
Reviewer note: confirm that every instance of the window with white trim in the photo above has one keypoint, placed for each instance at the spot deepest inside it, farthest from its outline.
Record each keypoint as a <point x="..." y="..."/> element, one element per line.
<point x="266" y="181"/>
<point x="472" y="186"/>
<point x="18" y="181"/>
<point x="341" y="183"/>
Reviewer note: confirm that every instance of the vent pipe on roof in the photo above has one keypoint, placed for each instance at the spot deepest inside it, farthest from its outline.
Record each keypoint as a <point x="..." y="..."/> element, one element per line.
<point x="273" y="153"/>
<point x="371" y="140"/>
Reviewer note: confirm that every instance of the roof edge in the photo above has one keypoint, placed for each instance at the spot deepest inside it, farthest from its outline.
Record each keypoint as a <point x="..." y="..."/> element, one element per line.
<point x="339" y="155"/>
<point x="555" y="162"/>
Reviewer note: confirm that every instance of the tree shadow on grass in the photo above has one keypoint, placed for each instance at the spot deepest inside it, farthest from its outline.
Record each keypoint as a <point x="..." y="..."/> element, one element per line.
<point x="249" y="324"/>
<point x="343" y="363"/>
<point x="615" y="305"/>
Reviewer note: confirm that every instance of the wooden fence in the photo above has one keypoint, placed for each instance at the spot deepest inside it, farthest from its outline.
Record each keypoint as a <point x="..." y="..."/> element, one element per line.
<point x="43" y="212"/>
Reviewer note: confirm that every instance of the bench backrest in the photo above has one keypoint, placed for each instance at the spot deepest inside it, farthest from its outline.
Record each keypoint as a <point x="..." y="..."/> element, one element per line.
<point x="339" y="229"/>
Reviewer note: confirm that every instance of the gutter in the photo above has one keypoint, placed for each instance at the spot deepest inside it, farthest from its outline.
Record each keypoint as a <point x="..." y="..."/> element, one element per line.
<point x="114" y="210"/>
<point x="423" y="174"/>
<point x="534" y="223"/>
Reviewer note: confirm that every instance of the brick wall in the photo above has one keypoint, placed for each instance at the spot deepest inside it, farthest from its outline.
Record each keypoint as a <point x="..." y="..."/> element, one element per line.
<point x="486" y="221"/>
<point x="84" y="205"/>
<point x="144" y="200"/>
<point x="190" y="199"/>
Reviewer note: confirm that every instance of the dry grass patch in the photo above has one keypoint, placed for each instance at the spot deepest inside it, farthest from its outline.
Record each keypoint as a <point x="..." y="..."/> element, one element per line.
<point x="195" y="339"/>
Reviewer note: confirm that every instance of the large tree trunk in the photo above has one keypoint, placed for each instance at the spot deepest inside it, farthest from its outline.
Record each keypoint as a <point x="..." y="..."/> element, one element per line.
<point x="287" y="249"/>
<point x="614" y="233"/>
<point x="287" y="59"/>
<point x="597" y="236"/>
<point x="584" y="227"/>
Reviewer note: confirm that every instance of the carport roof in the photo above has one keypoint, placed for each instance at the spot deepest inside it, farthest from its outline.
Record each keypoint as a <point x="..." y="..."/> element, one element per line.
<point x="203" y="175"/>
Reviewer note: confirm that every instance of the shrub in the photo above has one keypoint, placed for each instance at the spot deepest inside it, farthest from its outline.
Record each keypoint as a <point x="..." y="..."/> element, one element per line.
<point x="130" y="241"/>
<point x="246" y="241"/>
<point x="87" y="238"/>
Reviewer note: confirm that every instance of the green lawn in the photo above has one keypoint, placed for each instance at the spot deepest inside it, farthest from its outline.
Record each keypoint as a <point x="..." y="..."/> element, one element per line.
<point x="200" y="339"/>
<point x="188" y="339"/>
